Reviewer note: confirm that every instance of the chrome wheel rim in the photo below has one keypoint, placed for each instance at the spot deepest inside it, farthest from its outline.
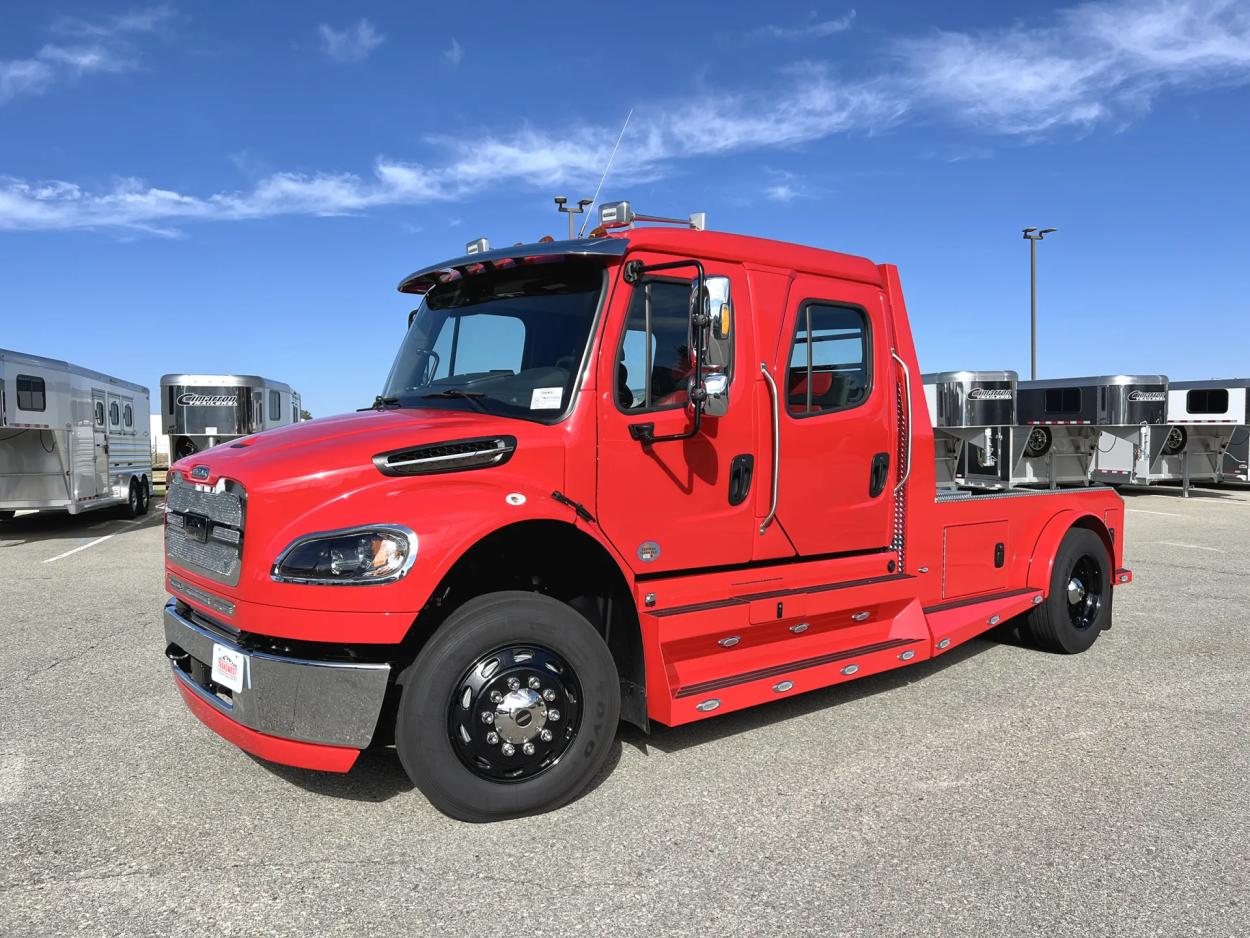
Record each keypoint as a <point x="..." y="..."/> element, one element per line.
<point x="514" y="713"/>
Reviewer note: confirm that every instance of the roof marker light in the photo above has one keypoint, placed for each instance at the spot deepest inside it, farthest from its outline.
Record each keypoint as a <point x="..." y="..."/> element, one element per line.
<point x="480" y="246"/>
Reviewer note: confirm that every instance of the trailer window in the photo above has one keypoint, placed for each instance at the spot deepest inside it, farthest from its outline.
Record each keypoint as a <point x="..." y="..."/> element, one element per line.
<point x="1062" y="401"/>
<point x="1207" y="401"/>
<point x="275" y="406"/>
<point x="655" y="378"/>
<point x="128" y="416"/>
<point x="828" y="360"/>
<point x="31" y="393"/>
<point x="114" y="415"/>
<point x="99" y="413"/>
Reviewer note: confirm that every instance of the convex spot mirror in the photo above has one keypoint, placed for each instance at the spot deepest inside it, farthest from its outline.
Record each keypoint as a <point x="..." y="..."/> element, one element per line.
<point x="717" y="308"/>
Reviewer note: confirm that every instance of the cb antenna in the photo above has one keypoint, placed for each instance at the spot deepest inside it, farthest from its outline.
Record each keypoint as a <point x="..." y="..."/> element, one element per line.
<point x="611" y="157"/>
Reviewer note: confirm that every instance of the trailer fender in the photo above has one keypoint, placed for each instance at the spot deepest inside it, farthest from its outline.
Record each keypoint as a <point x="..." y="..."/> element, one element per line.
<point x="1042" y="561"/>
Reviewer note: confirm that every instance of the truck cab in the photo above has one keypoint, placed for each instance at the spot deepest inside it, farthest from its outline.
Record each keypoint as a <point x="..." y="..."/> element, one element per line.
<point x="656" y="474"/>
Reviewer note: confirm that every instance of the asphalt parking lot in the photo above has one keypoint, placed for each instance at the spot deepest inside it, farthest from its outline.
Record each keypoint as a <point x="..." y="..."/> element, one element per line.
<point x="999" y="790"/>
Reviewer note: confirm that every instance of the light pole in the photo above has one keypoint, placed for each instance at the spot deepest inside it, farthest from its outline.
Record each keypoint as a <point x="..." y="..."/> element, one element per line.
<point x="1033" y="235"/>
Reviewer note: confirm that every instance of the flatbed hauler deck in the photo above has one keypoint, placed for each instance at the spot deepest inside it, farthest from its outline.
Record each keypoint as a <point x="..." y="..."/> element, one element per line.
<point x="657" y="474"/>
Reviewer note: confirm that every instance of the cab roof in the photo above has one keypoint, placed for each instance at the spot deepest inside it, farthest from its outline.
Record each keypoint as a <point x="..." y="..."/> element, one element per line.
<point x="705" y="245"/>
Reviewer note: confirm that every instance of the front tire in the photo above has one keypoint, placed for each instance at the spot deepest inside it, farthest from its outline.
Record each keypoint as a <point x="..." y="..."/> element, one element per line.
<point x="1078" y="606"/>
<point x="510" y="709"/>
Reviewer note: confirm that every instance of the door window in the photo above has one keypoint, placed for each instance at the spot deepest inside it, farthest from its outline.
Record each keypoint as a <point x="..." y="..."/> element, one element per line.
<point x="99" y="413"/>
<point x="31" y="393"/>
<point x="829" y="360"/>
<point x="655" y="375"/>
<point x="114" y="414"/>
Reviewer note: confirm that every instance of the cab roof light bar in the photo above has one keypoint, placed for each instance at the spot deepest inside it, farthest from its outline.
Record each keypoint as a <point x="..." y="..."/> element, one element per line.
<point x="622" y="215"/>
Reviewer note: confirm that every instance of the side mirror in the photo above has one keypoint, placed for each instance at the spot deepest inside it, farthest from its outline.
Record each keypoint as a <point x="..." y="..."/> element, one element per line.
<point x="716" y="394"/>
<point x="719" y="311"/>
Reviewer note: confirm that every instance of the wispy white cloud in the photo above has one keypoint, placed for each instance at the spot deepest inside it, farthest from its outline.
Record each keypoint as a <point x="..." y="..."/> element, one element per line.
<point x="351" y="44"/>
<point x="96" y="46"/>
<point x="1101" y="62"/>
<point x="454" y="53"/>
<point x="1095" y="63"/>
<point x="813" y="28"/>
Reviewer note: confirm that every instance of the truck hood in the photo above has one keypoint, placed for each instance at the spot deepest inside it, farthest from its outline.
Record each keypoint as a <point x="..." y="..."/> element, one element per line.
<point x="318" y="449"/>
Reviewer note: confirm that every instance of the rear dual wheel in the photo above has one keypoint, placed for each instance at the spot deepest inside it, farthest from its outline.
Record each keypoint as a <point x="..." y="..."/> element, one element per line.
<point x="510" y="709"/>
<point x="138" y="498"/>
<point x="1078" y="606"/>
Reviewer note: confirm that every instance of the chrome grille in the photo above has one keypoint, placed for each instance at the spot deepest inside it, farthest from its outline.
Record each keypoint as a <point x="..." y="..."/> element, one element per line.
<point x="218" y="514"/>
<point x="222" y="507"/>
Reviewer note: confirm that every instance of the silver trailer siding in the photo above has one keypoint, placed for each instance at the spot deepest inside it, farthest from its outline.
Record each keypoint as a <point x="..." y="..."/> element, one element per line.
<point x="968" y="409"/>
<point x="199" y="411"/>
<point x="71" y="439"/>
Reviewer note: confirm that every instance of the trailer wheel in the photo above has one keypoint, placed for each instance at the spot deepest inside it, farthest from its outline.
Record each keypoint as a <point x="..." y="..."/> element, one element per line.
<point x="136" y="503"/>
<point x="1174" y="444"/>
<point x="510" y="709"/>
<point x="1079" y="604"/>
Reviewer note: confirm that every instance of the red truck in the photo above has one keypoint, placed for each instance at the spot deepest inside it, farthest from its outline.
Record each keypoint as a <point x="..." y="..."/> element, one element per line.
<point x="654" y="475"/>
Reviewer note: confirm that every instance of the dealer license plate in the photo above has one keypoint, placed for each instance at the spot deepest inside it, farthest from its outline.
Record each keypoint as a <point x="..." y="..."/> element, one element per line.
<point x="229" y="667"/>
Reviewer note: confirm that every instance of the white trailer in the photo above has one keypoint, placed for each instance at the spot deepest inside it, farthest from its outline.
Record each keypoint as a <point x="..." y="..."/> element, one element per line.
<point x="1210" y="421"/>
<point x="71" y="439"/>
<point x="201" y="411"/>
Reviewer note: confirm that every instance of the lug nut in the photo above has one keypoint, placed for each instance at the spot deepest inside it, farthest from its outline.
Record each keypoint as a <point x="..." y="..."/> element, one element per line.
<point x="534" y="683"/>
<point x="508" y="749"/>
<point x="549" y="695"/>
<point x="545" y="735"/>
<point x="496" y="697"/>
<point x="514" y="684"/>
<point x="553" y="716"/>
<point x="528" y="749"/>
<point x="492" y="739"/>
<point x="488" y="717"/>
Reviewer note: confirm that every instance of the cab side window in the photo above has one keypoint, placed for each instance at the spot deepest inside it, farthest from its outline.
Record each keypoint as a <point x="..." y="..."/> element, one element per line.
<point x="829" y="360"/>
<point x="655" y="374"/>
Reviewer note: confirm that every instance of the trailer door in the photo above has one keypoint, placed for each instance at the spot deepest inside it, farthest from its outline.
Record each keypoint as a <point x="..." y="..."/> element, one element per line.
<point x="837" y="418"/>
<point x="100" y="451"/>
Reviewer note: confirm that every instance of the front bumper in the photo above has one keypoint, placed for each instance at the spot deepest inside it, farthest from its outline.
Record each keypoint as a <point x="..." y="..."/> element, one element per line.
<point x="314" y="714"/>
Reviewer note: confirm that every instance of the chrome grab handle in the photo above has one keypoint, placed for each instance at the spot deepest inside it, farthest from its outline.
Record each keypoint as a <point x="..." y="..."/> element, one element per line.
<point x="772" y="394"/>
<point x="907" y="393"/>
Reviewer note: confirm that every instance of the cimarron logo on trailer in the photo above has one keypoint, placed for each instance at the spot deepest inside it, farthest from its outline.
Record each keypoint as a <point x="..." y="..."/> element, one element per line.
<point x="190" y="399"/>
<point x="1147" y="396"/>
<point x="989" y="394"/>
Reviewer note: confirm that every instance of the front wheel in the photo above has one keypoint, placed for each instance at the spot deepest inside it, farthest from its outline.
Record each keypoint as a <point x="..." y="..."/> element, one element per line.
<point x="510" y="709"/>
<point x="1079" y="604"/>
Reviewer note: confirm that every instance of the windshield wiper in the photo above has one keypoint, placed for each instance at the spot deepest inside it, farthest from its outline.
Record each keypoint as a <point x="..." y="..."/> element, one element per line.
<point x="381" y="403"/>
<point x="473" y="397"/>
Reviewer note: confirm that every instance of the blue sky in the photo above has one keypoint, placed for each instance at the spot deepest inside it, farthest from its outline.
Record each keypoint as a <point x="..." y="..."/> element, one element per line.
<point x="239" y="186"/>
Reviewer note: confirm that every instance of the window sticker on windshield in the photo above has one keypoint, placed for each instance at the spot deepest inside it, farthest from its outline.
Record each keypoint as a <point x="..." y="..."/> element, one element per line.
<point x="546" y="398"/>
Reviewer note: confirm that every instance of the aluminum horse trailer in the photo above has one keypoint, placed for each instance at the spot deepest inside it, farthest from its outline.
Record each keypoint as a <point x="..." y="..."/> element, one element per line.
<point x="1210" y="429"/>
<point x="200" y="411"/>
<point x="1135" y="432"/>
<point x="1060" y="423"/>
<point x="71" y="439"/>
<point x="968" y="410"/>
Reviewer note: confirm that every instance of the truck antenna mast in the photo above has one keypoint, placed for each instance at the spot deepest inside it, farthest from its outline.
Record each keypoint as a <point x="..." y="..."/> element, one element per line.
<point x="611" y="157"/>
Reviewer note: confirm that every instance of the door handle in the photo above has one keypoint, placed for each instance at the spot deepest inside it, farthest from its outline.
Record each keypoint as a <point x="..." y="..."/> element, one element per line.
<point x="740" y="472"/>
<point x="880" y="472"/>
<point x="776" y="428"/>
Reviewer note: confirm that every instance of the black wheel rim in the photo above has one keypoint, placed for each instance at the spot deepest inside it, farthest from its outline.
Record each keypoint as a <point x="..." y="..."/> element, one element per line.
<point x="514" y="713"/>
<point x="1084" y="592"/>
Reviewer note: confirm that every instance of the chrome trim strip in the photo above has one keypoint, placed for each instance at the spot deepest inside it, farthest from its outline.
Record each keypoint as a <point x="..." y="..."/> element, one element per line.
<point x="201" y="596"/>
<point x="772" y="394"/>
<point x="906" y="393"/>
<point x="407" y="532"/>
<point x="327" y="702"/>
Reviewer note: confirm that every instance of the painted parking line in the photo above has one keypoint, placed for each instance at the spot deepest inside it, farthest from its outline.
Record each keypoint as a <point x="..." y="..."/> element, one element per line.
<point x="1143" y="511"/>
<point x="100" y="540"/>
<point x="1214" y="550"/>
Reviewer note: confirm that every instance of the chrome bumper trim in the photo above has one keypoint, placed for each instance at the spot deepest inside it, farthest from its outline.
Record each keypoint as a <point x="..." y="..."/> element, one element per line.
<point x="328" y="702"/>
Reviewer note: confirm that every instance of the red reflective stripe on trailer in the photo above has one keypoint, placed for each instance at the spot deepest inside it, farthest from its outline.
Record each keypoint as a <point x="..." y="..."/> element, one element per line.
<point x="1059" y="423"/>
<point x="271" y="748"/>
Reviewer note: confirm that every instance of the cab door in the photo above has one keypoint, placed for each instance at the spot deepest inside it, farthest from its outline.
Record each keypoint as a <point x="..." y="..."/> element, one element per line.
<point x="837" y="418"/>
<point x="679" y="505"/>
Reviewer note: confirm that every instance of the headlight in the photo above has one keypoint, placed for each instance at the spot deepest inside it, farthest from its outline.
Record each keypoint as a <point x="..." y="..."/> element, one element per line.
<point x="379" y="553"/>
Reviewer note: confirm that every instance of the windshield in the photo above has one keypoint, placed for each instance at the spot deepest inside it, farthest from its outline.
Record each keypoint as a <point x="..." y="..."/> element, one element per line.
<point x="508" y="341"/>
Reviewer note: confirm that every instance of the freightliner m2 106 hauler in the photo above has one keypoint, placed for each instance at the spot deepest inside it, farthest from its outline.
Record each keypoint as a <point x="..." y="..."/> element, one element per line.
<point x="656" y="474"/>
